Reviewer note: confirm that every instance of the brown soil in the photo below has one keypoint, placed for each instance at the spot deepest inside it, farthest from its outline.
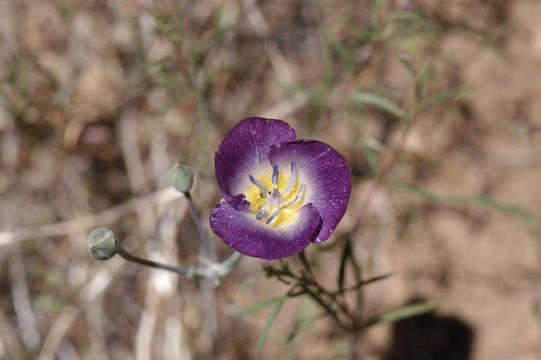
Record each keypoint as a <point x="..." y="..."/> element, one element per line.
<point x="455" y="220"/>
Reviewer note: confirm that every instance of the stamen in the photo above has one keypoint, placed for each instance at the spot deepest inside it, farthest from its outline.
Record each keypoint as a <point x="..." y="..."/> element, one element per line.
<point x="292" y="177"/>
<point x="261" y="214"/>
<point x="273" y="215"/>
<point x="275" y="175"/>
<point x="259" y="185"/>
<point x="274" y="201"/>
<point x="298" y="197"/>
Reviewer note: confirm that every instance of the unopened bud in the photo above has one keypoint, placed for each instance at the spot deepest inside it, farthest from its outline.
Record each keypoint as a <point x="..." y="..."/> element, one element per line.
<point x="181" y="178"/>
<point x="103" y="243"/>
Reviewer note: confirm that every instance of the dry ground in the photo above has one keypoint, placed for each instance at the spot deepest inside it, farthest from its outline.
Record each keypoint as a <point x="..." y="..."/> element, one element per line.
<point x="99" y="98"/>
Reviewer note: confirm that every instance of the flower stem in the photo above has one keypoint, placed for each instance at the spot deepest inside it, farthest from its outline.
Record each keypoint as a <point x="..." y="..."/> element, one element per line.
<point x="328" y="308"/>
<point x="214" y="271"/>
<point x="208" y="295"/>
<point x="305" y="263"/>
<point x="205" y="243"/>
<point x="231" y="261"/>
<point x="127" y="256"/>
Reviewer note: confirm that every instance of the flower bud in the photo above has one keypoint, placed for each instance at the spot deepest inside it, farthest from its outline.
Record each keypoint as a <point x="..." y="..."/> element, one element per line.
<point x="103" y="243"/>
<point x="180" y="177"/>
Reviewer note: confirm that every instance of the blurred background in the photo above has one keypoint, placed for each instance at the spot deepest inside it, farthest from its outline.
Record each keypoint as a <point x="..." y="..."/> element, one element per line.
<point x="435" y="106"/>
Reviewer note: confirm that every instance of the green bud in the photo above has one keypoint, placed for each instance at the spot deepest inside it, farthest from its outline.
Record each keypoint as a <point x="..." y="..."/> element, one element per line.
<point x="180" y="177"/>
<point x="103" y="243"/>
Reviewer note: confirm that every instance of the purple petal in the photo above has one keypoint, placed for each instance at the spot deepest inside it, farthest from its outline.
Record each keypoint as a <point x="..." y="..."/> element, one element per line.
<point x="326" y="175"/>
<point x="241" y="231"/>
<point x="243" y="150"/>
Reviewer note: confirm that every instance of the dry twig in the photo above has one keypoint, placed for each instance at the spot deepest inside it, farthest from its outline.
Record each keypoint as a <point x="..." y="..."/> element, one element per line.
<point x="87" y="222"/>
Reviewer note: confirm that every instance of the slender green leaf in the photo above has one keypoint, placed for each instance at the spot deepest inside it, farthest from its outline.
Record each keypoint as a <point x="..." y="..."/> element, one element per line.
<point x="421" y="80"/>
<point x="249" y="281"/>
<point x="371" y="158"/>
<point x="427" y="195"/>
<point x="305" y="319"/>
<point x="406" y="16"/>
<point x="357" y="271"/>
<point x="408" y="66"/>
<point x="403" y="313"/>
<point x="368" y="98"/>
<point x="335" y="45"/>
<point x="268" y="323"/>
<point x="446" y="96"/>
<point x="529" y="218"/>
<point x="262" y="304"/>
<point x="304" y="261"/>
<point x="296" y="290"/>
<point x="366" y="282"/>
<point x="346" y="254"/>
<point x="301" y="326"/>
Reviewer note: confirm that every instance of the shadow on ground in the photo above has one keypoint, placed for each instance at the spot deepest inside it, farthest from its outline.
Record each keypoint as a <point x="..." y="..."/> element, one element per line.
<point x="429" y="337"/>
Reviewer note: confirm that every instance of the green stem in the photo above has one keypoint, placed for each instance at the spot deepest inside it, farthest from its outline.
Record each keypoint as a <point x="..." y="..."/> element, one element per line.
<point x="213" y="271"/>
<point x="305" y="263"/>
<point x="127" y="256"/>
<point x="327" y="307"/>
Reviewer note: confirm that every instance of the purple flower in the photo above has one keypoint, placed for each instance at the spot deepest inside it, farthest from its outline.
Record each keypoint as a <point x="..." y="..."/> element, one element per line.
<point x="279" y="193"/>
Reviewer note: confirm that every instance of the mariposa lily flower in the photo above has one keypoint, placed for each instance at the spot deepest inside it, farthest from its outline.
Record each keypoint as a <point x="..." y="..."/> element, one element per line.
<point x="279" y="193"/>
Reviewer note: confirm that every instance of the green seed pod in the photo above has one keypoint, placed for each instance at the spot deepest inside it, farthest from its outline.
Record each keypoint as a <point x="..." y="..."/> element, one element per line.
<point x="181" y="178"/>
<point x="103" y="243"/>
